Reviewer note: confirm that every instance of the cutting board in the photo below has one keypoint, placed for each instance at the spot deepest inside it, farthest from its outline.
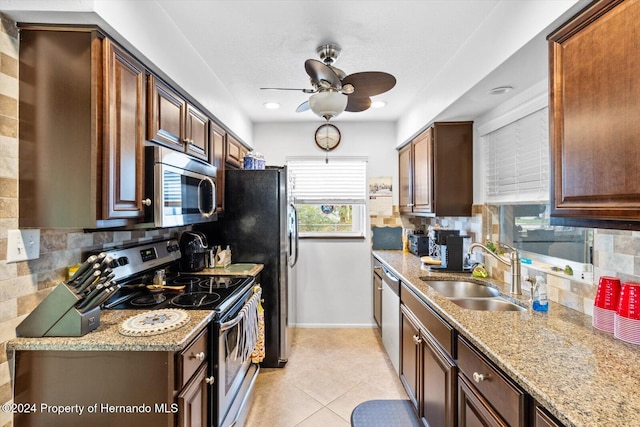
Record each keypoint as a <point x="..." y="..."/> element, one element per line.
<point x="239" y="269"/>
<point x="386" y="238"/>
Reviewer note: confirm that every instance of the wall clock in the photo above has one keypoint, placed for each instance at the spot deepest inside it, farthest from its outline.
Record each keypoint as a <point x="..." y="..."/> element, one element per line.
<point x="327" y="137"/>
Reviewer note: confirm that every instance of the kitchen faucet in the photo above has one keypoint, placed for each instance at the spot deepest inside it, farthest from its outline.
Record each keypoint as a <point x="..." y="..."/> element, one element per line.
<point x="513" y="263"/>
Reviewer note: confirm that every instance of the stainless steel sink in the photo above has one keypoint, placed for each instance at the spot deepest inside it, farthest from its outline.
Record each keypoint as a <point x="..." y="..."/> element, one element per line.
<point x="487" y="304"/>
<point x="462" y="289"/>
<point x="472" y="295"/>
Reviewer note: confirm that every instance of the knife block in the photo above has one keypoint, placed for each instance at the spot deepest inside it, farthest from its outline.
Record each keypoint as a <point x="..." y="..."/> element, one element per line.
<point x="56" y="316"/>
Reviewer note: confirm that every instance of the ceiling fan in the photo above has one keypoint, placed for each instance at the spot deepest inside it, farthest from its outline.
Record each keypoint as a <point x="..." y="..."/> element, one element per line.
<point x="334" y="91"/>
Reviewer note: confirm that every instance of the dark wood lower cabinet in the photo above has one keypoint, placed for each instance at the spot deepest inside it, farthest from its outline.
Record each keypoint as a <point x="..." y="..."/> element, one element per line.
<point x="192" y="401"/>
<point x="438" y="386"/>
<point x="473" y="409"/>
<point x="428" y="373"/>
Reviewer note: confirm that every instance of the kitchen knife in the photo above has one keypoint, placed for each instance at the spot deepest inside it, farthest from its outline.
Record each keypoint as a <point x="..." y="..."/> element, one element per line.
<point x="85" y="301"/>
<point x="88" y="281"/>
<point x="81" y="279"/>
<point x="83" y="268"/>
<point x="99" y="298"/>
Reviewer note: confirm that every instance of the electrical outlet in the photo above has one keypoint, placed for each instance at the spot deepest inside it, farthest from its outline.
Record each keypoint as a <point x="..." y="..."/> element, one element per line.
<point x="23" y="245"/>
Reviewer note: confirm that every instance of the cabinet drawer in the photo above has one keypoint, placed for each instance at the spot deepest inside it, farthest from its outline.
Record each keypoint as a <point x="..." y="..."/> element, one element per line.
<point x="439" y="329"/>
<point x="503" y="395"/>
<point x="191" y="358"/>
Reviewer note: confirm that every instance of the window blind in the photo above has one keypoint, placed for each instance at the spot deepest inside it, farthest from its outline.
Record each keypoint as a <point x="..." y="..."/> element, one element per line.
<point x="340" y="181"/>
<point x="517" y="157"/>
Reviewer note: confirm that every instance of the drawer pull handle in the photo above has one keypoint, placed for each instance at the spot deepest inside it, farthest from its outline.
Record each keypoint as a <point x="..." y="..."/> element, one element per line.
<point x="416" y="339"/>
<point x="199" y="356"/>
<point x="210" y="380"/>
<point x="479" y="377"/>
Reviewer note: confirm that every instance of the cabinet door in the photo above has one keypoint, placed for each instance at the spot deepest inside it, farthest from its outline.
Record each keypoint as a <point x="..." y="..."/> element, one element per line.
<point x="193" y="401"/>
<point x="410" y="350"/>
<point x="594" y="93"/>
<point x="218" y="140"/>
<point x="405" y="192"/>
<point x="234" y="153"/>
<point x="165" y="122"/>
<point x="123" y="175"/>
<point x="423" y="172"/>
<point x="197" y="133"/>
<point x="543" y="419"/>
<point x="377" y="295"/>
<point x="473" y="410"/>
<point x="439" y="388"/>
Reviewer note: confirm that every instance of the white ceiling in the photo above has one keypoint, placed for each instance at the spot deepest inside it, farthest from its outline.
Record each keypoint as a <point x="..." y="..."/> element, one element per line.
<point x="253" y="44"/>
<point x="445" y="54"/>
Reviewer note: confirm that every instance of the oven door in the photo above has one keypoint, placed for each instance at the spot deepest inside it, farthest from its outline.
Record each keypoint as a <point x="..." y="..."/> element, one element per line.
<point x="236" y="373"/>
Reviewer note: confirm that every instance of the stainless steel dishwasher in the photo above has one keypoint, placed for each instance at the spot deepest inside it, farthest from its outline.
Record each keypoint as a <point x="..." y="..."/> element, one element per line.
<point x="391" y="316"/>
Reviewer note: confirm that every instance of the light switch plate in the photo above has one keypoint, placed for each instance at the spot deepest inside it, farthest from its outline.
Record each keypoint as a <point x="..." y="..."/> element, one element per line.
<point x="23" y="245"/>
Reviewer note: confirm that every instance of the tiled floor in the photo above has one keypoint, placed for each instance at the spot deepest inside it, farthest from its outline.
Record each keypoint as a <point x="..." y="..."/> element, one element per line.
<point x="329" y="372"/>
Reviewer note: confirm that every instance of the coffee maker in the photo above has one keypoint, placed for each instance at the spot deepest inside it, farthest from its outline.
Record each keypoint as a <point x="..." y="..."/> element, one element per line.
<point x="194" y="249"/>
<point x="451" y="248"/>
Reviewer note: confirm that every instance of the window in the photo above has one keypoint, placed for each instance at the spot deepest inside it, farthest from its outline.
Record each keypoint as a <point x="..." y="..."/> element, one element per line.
<point x="517" y="182"/>
<point x="527" y="228"/>
<point x="330" y="196"/>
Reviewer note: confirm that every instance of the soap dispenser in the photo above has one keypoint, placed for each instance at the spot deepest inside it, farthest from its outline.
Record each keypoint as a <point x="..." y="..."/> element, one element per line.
<point x="539" y="295"/>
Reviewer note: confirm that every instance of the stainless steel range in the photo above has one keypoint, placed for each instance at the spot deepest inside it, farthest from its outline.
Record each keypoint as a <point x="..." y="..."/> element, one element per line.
<point x="232" y="331"/>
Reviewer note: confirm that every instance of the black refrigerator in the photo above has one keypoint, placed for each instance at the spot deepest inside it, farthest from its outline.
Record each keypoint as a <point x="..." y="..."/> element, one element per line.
<point x="260" y="226"/>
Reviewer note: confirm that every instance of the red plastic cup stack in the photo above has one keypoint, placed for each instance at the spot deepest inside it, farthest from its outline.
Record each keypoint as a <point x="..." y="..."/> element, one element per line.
<point x="606" y="303"/>
<point x="627" y="318"/>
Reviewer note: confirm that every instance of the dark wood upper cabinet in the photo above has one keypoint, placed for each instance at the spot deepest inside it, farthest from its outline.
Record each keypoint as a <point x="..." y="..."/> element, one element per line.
<point x="594" y="111"/>
<point x="234" y="153"/>
<point x="81" y="135"/>
<point x="166" y="117"/>
<point x="436" y="171"/>
<point x="197" y="133"/>
<point x="125" y="98"/>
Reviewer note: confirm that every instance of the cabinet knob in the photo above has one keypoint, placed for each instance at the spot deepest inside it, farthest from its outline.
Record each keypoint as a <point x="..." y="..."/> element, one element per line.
<point x="478" y="377"/>
<point x="199" y="356"/>
<point x="210" y="380"/>
<point x="146" y="202"/>
<point x="416" y="339"/>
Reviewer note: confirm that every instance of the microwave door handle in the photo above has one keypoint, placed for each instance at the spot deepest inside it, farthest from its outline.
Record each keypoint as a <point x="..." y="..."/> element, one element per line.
<point x="213" y="190"/>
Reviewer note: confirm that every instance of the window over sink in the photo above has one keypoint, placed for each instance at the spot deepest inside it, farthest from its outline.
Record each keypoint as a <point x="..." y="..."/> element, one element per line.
<point x="329" y="195"/>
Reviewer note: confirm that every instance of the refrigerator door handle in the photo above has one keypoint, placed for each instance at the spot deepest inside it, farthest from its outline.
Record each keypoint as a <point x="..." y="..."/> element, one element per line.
<point x="293" y="235"/>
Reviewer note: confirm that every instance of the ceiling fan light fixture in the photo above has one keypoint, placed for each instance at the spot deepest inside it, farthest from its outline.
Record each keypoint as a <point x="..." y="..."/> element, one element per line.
<point x="328" y="104"/>
<point x="378" y="104"/>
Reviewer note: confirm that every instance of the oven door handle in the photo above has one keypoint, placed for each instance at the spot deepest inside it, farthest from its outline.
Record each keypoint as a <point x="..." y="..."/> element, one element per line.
<point x="241" y="314"/>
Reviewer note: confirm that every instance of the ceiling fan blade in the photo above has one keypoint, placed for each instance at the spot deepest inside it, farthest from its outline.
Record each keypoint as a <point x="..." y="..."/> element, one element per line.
<point x="303" y="107"/>
<point x="370" y="83"/>
<point x="355" y="104"/>
<point x="320" y="72"/>
<point x="288" y="88"/>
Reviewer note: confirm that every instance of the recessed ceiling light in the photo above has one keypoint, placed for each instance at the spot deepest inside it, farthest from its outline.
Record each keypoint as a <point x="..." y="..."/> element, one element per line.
<point x="500" y="90"/>
<point x="378" y="104"/>
<point x="271" y="105"/>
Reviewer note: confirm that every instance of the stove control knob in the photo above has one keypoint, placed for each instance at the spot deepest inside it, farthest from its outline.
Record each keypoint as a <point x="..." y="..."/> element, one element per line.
<point x="113" y="264"/>
<point x="123" y="260"/>
<point x="210" y="380"/>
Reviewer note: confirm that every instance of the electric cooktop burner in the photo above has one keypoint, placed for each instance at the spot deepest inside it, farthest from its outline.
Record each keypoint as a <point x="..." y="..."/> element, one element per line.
<point x="195" y="299"/>
<point x="206" y="282"/>
<point x="148" y="300"/>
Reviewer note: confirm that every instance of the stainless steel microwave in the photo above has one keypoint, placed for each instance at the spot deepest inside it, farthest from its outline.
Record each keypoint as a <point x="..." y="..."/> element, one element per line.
<point x="181" y="189"/>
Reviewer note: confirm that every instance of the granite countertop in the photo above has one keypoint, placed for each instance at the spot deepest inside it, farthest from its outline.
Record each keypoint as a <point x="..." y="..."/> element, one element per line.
<point x="107" y="338"/>
<point x="583" y="376"/>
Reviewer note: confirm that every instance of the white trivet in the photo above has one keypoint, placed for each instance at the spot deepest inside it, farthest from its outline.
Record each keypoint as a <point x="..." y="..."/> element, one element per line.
<point x="154" y="322"/>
